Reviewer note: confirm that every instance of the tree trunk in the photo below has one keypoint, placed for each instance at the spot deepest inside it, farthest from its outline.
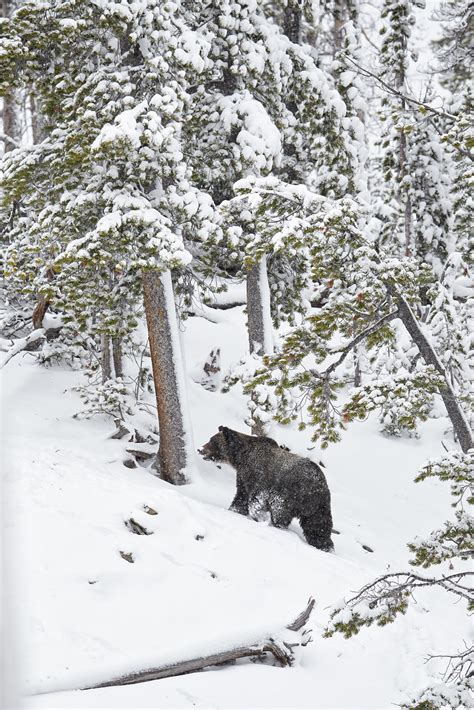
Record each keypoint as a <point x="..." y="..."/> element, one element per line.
<point x="259" y="320"/>
<point x="117" y="356"/>
<point x="292" y="20"/>
<point x="105" y="361"/>
<point x="39" y="311"/>
<point x="460" y="424"/>
<point x="357" y="368"/>
<point x="168" y="375"/>
<point x="10" y="117"/>
<point x="37" y="121"/>
<point x="11" y="126"/>
<point x="258" y="309"/>
<point x="403" y="159"/>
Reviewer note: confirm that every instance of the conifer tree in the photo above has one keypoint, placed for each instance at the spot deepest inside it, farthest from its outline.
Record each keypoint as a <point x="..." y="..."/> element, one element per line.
<point x="366" y="288"/>
<point x="381" y="601"/>
<point x="109" y="212"/>
<point x="417" y="219"/>
<point x="264" y="108"/>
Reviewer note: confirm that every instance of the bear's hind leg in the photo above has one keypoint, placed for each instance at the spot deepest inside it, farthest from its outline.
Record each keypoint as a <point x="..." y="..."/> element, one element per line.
<point x="280" y="512"/>
<point x="317" y="532"/>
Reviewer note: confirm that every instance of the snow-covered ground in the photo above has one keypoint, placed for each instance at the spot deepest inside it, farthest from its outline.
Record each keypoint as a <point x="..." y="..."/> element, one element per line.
<point x="207" y="578"/>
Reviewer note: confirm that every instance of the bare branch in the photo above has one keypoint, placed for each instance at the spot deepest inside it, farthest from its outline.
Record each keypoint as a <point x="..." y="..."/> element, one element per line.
<point x="281" y="651"/>
<point x="24" y="344"/>
<point x="422" y="104"/>
<point x="396" y="582"/>
<point x="396" y="92"/>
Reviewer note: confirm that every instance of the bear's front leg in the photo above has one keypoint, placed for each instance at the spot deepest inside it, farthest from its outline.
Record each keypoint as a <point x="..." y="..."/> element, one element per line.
<point x="240" y="504"/>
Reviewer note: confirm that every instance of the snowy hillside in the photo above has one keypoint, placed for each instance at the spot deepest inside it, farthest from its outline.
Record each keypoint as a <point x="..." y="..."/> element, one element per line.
<point x="206" y="578"/>
<point x="236" y="354"/>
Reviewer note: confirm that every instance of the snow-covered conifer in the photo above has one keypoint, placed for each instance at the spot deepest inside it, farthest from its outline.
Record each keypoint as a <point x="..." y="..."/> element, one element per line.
<point x="416" y="213"/>
<point x="115" y="198"/>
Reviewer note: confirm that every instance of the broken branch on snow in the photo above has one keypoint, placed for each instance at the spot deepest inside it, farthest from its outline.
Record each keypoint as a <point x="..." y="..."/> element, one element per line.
<point x="281" y="650"/>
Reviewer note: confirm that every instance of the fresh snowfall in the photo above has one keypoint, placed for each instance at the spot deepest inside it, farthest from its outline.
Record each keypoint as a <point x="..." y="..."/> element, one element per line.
<point x="236" y="355"/>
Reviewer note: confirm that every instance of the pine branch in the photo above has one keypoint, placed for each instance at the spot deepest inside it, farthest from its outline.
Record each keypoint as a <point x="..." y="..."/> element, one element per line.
<point x="383" y="599"/>
<point x="353" y="343"/>
<point x="390" y="586"/>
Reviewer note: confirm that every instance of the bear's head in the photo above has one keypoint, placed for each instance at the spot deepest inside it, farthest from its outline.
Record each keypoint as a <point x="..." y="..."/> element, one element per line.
<point x="224" y="446"/>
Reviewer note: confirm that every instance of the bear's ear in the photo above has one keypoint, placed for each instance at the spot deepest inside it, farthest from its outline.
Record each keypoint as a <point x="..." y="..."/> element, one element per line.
<point x="233" y="441"/>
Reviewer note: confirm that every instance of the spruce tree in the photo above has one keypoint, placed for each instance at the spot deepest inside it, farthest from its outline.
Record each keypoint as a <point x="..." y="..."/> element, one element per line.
<point x="108" y="213"/>
<point x="416" y="192"/>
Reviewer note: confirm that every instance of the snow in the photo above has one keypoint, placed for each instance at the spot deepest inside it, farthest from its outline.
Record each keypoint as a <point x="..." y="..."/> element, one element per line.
<point x="259" y="139"/>
<point x="81" y="614"/>
<point x="20" y="344"/>
<point x="125" y="128"/>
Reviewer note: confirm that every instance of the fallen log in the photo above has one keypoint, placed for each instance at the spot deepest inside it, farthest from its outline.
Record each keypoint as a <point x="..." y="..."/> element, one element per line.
<point x="279" y="648"/>
<point x="31" y="342"/>
<point x="26" y="343"/>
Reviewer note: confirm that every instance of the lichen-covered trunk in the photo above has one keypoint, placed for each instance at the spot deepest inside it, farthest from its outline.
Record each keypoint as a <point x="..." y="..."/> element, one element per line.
<point x="292" y="20"/>
<point x="37" y="120"/>
<point x="117" y="356"/>
<point x="404" y="197"/>
<point x="259" y="320"/>
<point x="105" y="361"/>
<point x="460" y="424"/>
<point x="167" y="375"/>
<point x="10" y="115"/>
<point x="10" y="120"/>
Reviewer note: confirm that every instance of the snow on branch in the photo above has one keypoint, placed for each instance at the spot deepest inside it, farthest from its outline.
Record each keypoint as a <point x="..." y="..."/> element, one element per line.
<point x="455" y="688"/>
<point x="24" y="344"/>
<point x="358" y="339"/>
<point x="384" y="598"/>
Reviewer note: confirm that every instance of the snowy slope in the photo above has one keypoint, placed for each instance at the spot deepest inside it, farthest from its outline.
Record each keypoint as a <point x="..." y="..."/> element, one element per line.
<point x="81" y="614"/>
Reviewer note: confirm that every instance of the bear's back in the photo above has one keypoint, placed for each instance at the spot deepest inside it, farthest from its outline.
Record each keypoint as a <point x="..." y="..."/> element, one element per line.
<point x="270" y="465"/>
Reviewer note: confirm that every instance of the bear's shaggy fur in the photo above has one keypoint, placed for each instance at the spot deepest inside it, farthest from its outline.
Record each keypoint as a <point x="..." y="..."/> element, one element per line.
<point x="273" y="480"/>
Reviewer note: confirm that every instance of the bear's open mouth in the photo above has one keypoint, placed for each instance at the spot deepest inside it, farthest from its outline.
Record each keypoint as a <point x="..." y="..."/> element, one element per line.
<point x="206" y="455"/>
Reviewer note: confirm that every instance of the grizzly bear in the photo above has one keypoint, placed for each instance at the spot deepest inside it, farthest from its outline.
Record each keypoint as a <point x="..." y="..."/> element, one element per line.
<point x="273" y="480"/>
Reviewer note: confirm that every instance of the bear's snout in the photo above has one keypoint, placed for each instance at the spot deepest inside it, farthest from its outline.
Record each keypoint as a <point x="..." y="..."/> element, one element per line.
<point x="206" y="453"/>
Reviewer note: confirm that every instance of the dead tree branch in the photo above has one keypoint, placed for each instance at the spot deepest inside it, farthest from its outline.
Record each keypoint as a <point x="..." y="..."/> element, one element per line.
<point x="409" y="99"/>
<point x="281" y="651"/>
<point x="390" y="586"/>
<point x="27" y="343"/>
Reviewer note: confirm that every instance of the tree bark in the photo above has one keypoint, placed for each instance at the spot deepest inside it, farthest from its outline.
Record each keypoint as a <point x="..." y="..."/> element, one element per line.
<point x="258" y="309"/>
<point x="292" y="20"/>
<point x="460" y="424"/>
<point x="167" y="374"/>
<point x="39" y="311"/>
<point x="259" y="320"/>
<point x="281" y="651"/>
<point x="10" y="118"/>
<point x="117" y="356"/>
<point x="105" y="361"/>
<point x="37" y="121"/>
